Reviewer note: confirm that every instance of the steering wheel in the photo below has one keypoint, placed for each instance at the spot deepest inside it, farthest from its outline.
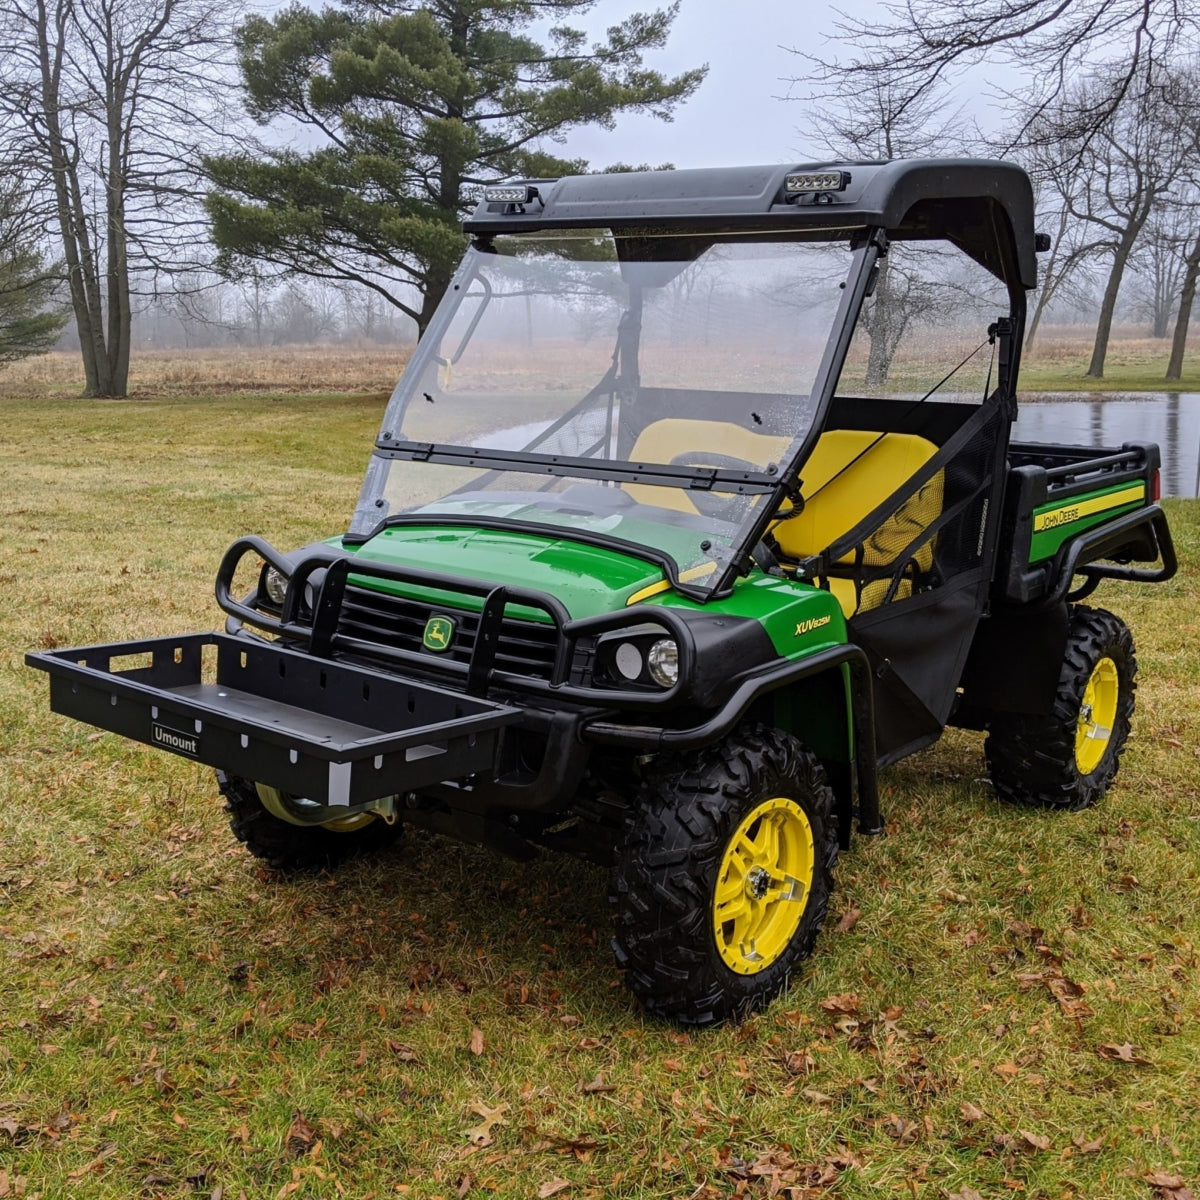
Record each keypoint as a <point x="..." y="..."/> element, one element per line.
<point x="720" y="506"/>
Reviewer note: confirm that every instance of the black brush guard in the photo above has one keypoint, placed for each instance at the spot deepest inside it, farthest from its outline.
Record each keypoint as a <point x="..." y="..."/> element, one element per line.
<point x="334" y="733"/>
<point x="291" y="715"/>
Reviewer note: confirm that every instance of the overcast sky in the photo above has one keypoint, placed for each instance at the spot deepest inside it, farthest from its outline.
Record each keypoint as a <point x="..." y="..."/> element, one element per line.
<point x="741" y="114"/>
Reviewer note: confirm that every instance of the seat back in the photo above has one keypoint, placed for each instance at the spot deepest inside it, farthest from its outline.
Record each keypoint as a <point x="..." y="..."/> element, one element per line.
<point x="850" y="473"/>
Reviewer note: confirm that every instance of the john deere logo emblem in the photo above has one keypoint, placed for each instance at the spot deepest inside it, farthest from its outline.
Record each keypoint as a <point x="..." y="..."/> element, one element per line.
<point x="438" y="632"/>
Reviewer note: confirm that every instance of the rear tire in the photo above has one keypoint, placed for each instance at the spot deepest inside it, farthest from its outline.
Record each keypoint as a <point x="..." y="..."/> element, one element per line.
<point x="290" y="847"/>
<point x="722" y="881"/>
<point x="1067" y="758"/>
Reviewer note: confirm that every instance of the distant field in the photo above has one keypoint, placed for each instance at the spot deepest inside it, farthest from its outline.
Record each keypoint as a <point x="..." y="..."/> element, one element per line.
<point x="1004" y="1003"/>
<point x="1058" y="363"/>
<point x="288" y="369"/>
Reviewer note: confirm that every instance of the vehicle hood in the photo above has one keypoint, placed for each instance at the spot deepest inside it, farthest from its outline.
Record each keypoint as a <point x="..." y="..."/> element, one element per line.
<point x="587" y="579"/>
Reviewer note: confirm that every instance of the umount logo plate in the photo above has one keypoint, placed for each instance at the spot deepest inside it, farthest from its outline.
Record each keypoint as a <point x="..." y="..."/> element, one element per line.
<point x="175" y="739"/>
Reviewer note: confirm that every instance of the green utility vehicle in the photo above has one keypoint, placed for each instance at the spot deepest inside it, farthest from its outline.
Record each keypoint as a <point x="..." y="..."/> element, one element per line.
<point x="696" y="504"/>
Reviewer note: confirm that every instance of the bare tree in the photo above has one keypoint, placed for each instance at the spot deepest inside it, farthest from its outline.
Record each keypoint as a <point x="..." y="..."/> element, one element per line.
<point x="872" y="118"/>
<point x="112" y="98"/>
<point x="1183" y="317"/>
<point x="924" y="44"/>
<point x="1159" y="262"/>
<point x="1119" y="173"/>
<point x="1073" y="243"/>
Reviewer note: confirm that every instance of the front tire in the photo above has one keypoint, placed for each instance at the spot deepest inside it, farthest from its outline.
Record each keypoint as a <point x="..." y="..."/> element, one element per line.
<point x="1068" y="758"/>
<point x="288" y="846"/>
<point x="722" y="881"/>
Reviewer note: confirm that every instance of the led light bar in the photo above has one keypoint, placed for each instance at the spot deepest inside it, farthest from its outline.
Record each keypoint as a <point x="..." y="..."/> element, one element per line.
<point x="817" y="181"/>
<point x="519" y="193"/>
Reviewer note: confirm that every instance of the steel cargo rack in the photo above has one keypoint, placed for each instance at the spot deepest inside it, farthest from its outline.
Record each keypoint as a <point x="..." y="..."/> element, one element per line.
<point x="337" y="733"/>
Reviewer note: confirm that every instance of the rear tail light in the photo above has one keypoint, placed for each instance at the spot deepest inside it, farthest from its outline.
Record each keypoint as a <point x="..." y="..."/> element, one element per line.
<point x="1156" y="487"/>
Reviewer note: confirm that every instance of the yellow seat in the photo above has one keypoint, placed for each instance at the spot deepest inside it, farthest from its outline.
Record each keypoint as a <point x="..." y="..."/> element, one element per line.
<point x="849" y="474"/>
<point x="871" y="468"/>
<point x="661" y="441"/>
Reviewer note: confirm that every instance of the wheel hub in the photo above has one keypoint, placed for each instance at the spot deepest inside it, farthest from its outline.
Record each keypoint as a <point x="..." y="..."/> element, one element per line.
<point x="758" y="882"/>
<point x="763" y="884"/>
<point x="1097" y="716"/>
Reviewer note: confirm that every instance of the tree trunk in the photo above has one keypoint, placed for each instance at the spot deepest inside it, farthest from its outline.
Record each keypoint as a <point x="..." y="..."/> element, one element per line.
<point x="1051" y="285"/>
<point x="1112" y="289"/>
<point x="879" y="358"/>
<point x="119" y="314"/>
<point x="1187" y="295"/>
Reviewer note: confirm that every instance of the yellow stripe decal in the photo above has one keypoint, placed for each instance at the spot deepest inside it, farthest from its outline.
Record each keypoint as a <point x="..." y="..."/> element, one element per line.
<point x="1054" y="517"/>
<point x="663" y="585"/>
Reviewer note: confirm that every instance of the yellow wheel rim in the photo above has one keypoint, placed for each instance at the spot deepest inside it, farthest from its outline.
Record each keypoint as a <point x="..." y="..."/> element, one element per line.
<point x="1097" y="716"/>
<point x="763" y="885"/>
<point x="297" y="811"/>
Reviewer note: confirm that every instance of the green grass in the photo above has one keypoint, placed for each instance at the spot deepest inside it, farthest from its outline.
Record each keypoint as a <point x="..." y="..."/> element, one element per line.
<point x="1132" y="365"/>
<point x="167" y="1007"/>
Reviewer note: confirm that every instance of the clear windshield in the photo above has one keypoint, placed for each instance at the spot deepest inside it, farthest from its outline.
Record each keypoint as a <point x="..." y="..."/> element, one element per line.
<point x="677" y="356"/>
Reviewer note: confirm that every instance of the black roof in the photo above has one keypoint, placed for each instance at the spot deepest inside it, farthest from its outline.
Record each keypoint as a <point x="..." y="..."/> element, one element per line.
<point x="983" y="206"/>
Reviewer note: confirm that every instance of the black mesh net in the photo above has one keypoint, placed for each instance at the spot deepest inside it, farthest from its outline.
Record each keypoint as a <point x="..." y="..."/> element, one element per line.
<point x="929" y="531"/>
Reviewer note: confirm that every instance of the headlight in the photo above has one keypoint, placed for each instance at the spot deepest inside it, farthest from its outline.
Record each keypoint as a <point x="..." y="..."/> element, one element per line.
<point x="628" y="661"/>
<point x="663" y="661"/>
<point x="275" y="584"/>
<point x="640" y="658"/>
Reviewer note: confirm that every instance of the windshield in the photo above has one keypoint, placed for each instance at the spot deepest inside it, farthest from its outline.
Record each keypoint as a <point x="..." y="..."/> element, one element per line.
<point x="644" y="390"/>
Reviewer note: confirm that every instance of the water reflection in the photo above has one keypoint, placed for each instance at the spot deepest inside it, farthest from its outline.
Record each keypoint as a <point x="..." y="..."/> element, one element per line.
<point x="1170" y="419"/>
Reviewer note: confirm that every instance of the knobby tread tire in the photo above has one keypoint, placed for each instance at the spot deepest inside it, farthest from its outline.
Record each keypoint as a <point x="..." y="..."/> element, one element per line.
<point x="1031" y="759"/>
<point x="666" y="867"/>
<point x="295" y="847"/>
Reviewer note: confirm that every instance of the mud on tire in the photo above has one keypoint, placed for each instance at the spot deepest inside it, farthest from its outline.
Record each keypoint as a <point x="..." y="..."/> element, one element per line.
<point x="291" y="847"/>
<point x="675" y="853"/>
<point x="1064" y="759"/>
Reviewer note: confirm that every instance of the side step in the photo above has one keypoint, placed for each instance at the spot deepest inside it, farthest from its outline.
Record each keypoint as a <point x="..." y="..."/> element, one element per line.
<point x="335" y="733"/>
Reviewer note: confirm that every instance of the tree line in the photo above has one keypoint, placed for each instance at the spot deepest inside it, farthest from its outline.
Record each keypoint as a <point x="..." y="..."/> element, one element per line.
<point x="153" y="140"/>
<point x="1106" y="119"/>
<point x="182" y="152"/>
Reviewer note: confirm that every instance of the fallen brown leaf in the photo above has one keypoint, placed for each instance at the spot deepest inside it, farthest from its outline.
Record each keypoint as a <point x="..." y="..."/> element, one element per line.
<point x="481" y="1135"/>
<point x="966" y="1194"/>
<point x="1008" y="1070"/>
<point x="1086" y="1147"/>
<point x="846" y="1003"/>
<point x="1034" y="1141"/>
<point x="971" y="1112"/>
<point x="552" y="1187"/>
<point x="106" y="1152"/>
<point x="300" y="1136"/>
<point x="900" y="1129"/>
<point x="1126" y="1052"/>
<point x="476" y="1043"/>
<point x="1164" y="1179"/>
<point x="848" y="920"/>
<point x="597" y="1086"/>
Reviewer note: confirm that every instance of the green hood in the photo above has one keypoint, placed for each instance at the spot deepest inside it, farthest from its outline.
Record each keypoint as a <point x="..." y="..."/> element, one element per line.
<point x="587" y="579"/>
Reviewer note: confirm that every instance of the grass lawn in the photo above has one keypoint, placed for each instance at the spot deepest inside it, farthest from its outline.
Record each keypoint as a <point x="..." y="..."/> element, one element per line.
<point x="1004" y="1003"/>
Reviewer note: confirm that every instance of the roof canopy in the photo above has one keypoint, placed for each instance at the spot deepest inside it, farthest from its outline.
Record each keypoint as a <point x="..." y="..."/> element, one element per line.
<point x="983" y="206"/>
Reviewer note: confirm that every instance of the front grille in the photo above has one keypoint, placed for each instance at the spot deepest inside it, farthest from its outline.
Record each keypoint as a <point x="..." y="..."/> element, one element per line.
<point x="526" y="647"/>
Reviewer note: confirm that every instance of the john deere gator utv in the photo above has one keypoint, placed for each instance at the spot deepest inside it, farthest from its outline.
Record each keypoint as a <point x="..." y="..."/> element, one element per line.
<point x="695" y="506"/>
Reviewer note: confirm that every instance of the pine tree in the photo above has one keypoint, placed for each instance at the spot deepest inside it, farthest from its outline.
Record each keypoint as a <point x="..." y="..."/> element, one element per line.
<point x="30" y="321"/>
<point x="415" y="107"/>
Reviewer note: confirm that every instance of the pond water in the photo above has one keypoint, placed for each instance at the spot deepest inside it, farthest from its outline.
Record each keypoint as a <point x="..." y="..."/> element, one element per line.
<point x="1171" y="420"/>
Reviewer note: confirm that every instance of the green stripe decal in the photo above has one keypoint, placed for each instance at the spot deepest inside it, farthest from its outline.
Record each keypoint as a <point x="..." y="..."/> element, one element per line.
<point x="1054" y="524"/>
